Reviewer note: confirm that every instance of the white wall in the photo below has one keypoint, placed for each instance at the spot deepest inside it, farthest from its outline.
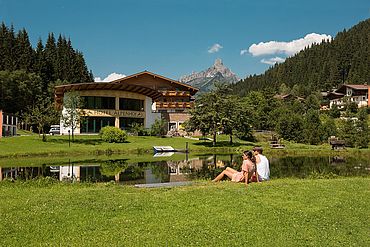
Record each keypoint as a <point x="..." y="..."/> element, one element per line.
<point x="150" y="115"/>
<point x="64" y="129"/>
<point x="66" y="172"/>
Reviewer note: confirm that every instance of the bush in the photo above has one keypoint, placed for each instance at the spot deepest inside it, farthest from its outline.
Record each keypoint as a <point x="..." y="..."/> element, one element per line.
<point x="112" y="134"/>
<point x="158" y="128"/>
<point x="139" y="130"/>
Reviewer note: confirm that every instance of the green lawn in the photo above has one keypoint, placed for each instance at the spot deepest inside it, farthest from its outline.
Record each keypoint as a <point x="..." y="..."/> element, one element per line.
<point x="283" y="212"/>
<point x="92" y="144"/>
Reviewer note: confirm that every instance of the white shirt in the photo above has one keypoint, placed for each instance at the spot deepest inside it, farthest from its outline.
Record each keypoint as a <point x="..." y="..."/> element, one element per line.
<point x="263" y="168"/>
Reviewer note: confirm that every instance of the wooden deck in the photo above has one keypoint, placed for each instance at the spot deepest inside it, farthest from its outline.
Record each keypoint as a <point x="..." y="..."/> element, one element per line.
<point x="276" y="145"/>
<point x="160" y="149"/>
<point x="337" y="144"/>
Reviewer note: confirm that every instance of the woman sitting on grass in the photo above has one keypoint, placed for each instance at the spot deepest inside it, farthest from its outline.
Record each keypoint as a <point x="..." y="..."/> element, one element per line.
<point x="248" y="169"/>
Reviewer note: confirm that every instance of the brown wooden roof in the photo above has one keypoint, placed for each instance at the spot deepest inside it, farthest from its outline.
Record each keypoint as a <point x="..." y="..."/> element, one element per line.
<point x="334" y="95"/>
<point x="185" y="86"/>
<point x="342" y="89"/>
<point x="145" y="83"/>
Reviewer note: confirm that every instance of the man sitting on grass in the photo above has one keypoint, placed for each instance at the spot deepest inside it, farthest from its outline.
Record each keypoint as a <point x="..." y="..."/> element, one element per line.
<point x="263" y="167"/>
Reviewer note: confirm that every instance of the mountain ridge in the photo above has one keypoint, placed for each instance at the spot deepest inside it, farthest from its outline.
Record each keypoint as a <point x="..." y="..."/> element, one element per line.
<point x="206" y="79"/>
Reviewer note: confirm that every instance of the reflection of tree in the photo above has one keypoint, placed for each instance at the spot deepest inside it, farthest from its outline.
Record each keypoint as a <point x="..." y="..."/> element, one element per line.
<point x="133" y="172"/>
<point x="160" y="170"/>
<point x="113" y="167"/>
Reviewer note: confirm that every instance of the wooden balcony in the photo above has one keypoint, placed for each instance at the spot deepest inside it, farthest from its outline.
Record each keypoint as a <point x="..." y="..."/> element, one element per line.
<point x="172" y="105"/>
<point x="175" y="93"/>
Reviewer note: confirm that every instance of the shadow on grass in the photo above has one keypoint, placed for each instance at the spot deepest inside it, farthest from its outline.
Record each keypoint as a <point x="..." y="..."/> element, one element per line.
<point x="223" y="144"/>
<point x="90" y="141"/>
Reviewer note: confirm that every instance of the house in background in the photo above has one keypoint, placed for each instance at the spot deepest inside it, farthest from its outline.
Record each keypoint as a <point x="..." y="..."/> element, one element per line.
<point x="352" y="92"/>
<point x="8" y="124"/>
<point x="140" y="98"/>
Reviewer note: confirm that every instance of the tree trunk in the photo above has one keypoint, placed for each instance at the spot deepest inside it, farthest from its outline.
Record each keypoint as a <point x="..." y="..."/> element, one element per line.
<point x="214" y="138"/>
<point x="231" y="139"/>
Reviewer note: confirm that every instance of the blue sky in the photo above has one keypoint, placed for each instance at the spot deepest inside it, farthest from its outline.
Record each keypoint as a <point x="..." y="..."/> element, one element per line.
<point x="175" y="37"/>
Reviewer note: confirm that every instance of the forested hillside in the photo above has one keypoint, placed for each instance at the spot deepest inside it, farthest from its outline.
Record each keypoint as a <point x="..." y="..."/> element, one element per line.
<point x="28" y="75"/>
<point x="345" y="59"/>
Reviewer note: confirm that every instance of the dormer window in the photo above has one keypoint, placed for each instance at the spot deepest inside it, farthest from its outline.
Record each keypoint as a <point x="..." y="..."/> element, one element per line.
<point x="349" y="91"/>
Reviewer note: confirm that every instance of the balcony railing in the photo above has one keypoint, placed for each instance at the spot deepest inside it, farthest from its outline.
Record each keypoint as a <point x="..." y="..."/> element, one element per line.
<point x="175" y="93"/>
<point x="167" y="105"/>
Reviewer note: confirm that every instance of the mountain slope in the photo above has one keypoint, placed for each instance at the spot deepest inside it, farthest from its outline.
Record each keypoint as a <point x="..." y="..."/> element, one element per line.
<point x="205" y="80"/>
<point x="345" y="59"/>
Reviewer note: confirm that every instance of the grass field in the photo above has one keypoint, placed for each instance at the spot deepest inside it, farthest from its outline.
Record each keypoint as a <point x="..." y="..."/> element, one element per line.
<point x="92" y="144"/>
<point x="283" y="212"/>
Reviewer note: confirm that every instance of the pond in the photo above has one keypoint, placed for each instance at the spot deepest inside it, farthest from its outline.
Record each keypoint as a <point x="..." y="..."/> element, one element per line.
<point x="148" y="170"/>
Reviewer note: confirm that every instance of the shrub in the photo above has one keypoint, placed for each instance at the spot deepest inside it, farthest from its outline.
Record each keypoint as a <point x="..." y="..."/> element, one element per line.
<point x="112" y="134"/>
<point x="158" y="128"/>
<point x="139" y="130"/>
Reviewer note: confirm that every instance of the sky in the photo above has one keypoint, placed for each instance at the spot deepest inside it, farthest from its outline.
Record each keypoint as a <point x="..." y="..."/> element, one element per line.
<point x="176" y="37"/>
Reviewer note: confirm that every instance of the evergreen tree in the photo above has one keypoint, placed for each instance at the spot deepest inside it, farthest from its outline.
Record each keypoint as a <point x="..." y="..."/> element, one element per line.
<point x="312" y="127"/>
<point x="24" y="54"/>
<point x="328" y="127"/>
<point x="54" y="63"/>
<point x="362" y="136"/>
<point x="50" y="55"/>
<point x="347" y="131"/>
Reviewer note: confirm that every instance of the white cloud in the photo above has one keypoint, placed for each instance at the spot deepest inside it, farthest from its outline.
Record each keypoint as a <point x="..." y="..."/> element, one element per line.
<point x="287" y="48"/>
<point x="215" y="48"/>
<point x="273" y="60"/>
<point x="111" y="77"/>
<point x="242" y="52"/>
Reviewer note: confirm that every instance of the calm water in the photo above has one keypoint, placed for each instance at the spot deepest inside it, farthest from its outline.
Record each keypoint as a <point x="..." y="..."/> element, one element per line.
<point x="160" y="169"/>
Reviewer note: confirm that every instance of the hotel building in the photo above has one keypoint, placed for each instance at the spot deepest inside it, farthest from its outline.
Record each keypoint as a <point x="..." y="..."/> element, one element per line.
<point x="140" y="98"/>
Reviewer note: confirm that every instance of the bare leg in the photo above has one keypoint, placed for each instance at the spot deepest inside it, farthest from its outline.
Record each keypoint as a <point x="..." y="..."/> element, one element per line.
<point x="231" y="169"/>
<point x="227" y="172"/>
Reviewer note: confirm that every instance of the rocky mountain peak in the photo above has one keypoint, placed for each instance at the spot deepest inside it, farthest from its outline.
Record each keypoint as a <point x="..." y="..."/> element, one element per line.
<point x="218" y="62"/>
<point x="205" y="79"/>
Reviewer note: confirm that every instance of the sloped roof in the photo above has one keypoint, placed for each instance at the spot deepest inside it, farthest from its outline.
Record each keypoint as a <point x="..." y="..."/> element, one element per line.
<point x="287" y="97"/>
<point x="124" y="84"/>
<point x="334" y="95"/>
<point x="187" y="86"/>
<point x="342" y="88"/>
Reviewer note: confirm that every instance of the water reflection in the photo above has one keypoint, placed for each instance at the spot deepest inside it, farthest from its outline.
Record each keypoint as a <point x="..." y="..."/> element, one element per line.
<point x="205" y="167"/>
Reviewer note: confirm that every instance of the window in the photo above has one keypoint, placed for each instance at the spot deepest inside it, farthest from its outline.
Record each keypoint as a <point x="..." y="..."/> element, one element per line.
<point x="94" y="124"/>
<point x="126" y="123"/>
<point x="131" y="104"/>
<point x="96" y="102"/>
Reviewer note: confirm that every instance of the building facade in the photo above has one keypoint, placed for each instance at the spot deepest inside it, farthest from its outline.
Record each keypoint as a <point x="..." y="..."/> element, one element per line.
<point x="353" y="93"/>
<point x="140" y="98"/>
<point x="8" y="124"/>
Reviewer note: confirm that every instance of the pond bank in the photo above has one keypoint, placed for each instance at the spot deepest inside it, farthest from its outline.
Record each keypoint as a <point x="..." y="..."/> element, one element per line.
<point x="32" y="146"/>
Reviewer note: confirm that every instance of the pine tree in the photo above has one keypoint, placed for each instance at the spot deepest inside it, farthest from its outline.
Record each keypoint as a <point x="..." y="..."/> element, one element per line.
<point x="23" y="52"/>
<point x="50" y="54"/>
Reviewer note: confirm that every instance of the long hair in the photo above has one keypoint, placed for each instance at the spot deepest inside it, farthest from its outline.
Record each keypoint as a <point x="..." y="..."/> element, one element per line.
<point x="250" y="156"/>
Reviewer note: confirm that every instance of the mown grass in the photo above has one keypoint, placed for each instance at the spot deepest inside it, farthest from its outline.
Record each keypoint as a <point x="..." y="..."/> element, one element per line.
<point x="284" y="212"/>
<point x="93" y="145"/>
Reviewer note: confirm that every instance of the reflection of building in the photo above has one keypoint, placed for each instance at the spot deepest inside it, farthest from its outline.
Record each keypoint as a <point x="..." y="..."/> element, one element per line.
<point x="353" y="93"/>
<point x="8" y="124"/>
<point x="140" y="98"/>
